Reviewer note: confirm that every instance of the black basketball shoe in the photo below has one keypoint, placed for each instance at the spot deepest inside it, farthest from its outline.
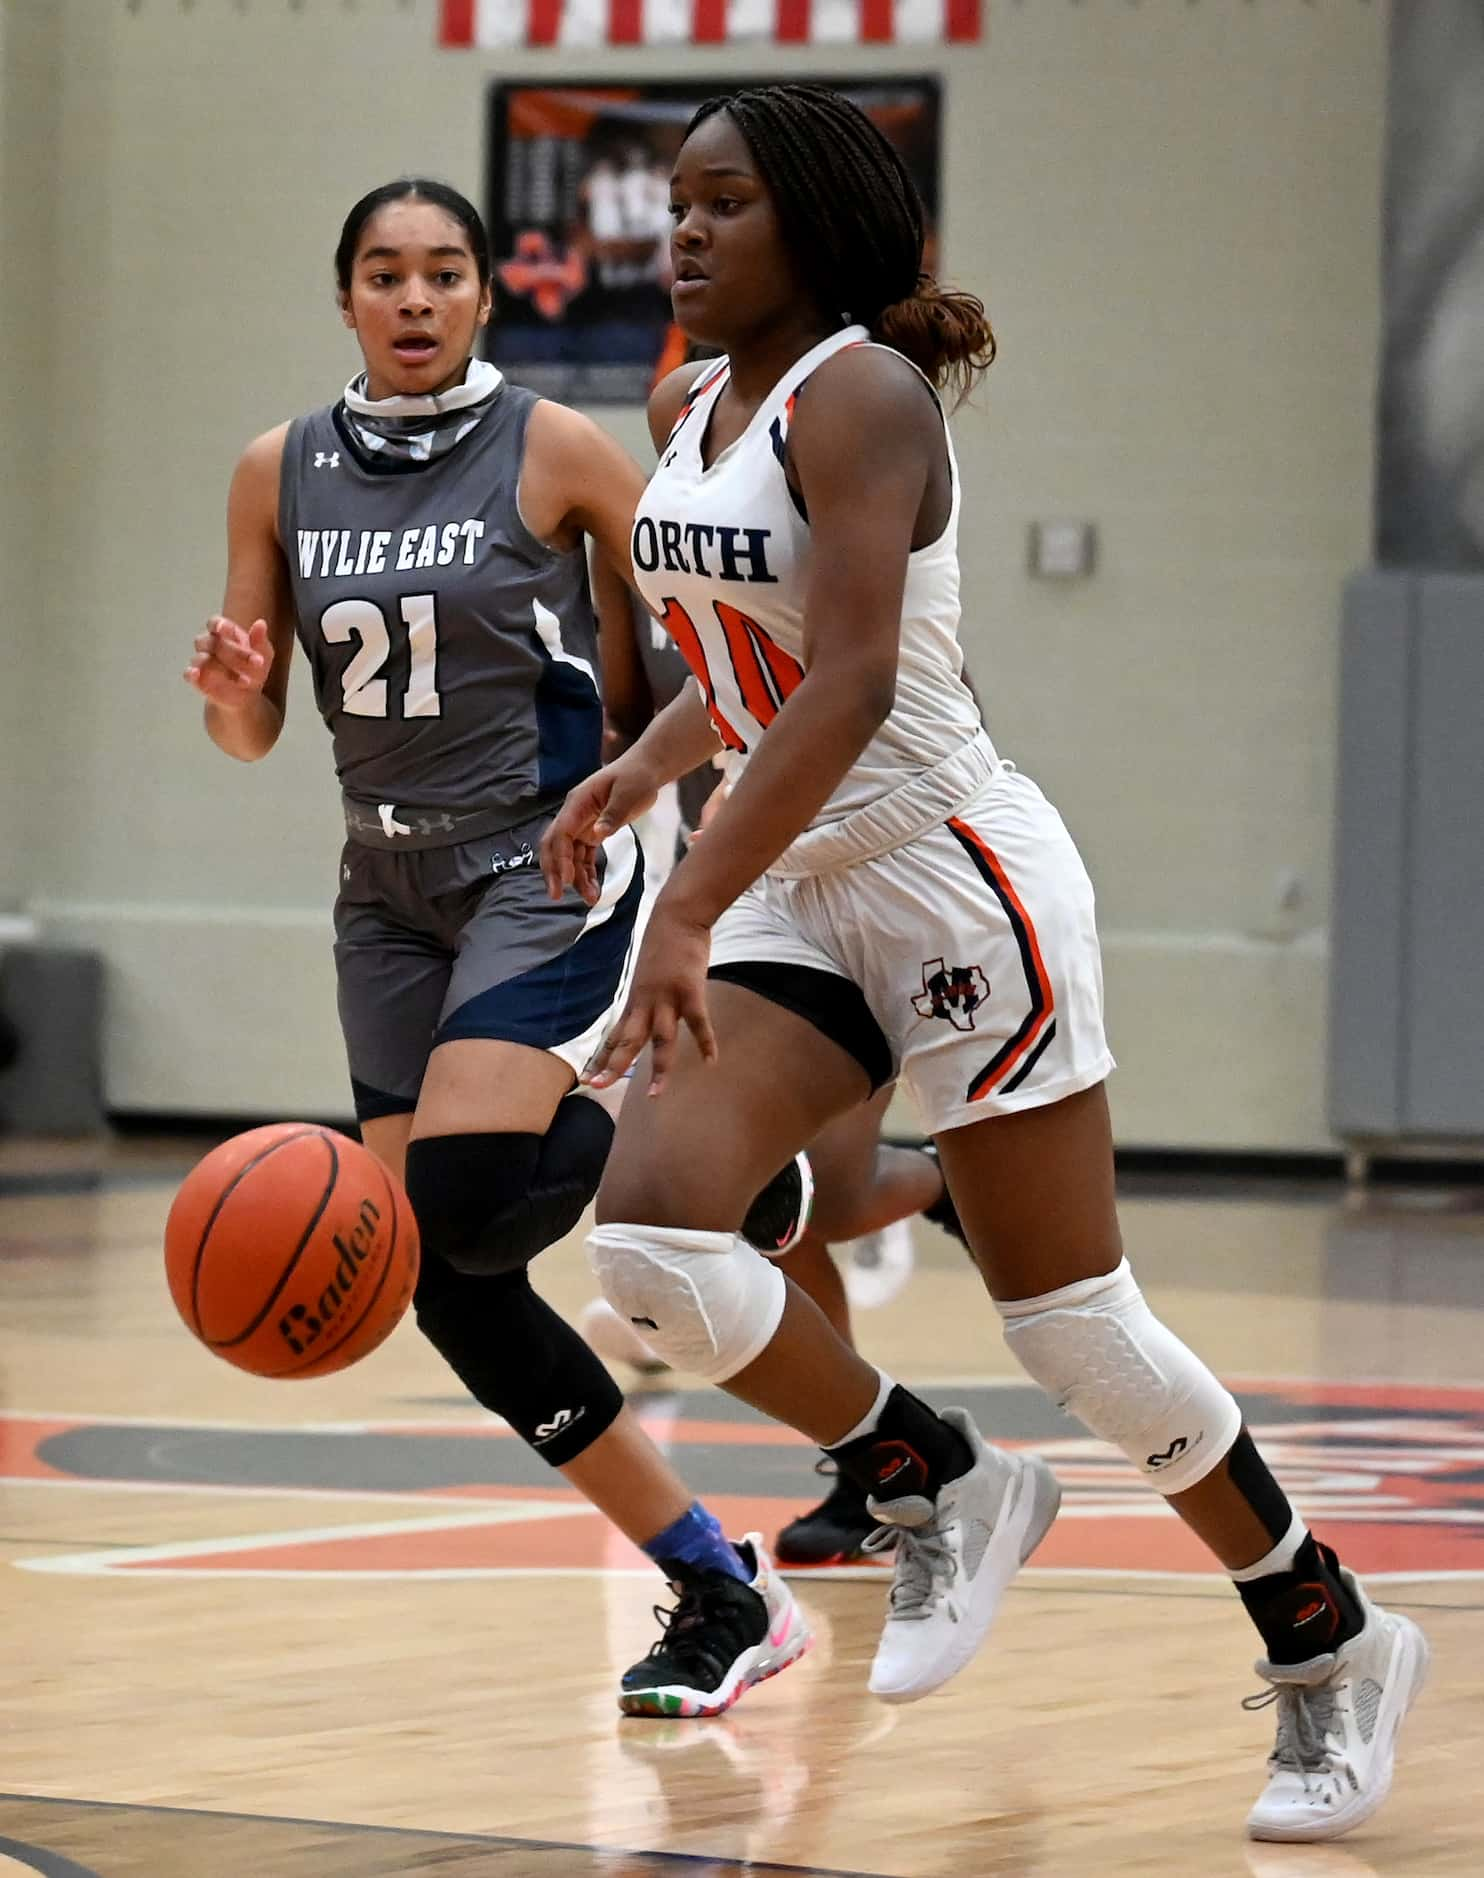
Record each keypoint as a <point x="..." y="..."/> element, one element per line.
<point x="779" y="1217"/>
<point x="721" y="1638"/>
<point x="832" y="1533"/>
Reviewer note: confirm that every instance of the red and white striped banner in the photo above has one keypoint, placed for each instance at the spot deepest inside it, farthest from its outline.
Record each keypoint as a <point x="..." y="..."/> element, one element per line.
<point x="492" y="24"/>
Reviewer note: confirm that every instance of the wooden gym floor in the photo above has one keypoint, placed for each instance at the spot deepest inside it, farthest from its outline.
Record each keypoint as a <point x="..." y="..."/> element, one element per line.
<point x="350" y="1628"/>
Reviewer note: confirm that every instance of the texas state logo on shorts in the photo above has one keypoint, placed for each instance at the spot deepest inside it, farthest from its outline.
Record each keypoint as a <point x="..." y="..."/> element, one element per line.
<point x="1392" y="1474"/>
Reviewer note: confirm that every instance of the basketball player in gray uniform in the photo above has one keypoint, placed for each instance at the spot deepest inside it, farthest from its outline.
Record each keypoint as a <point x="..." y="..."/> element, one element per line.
<point x="424" y="536"/>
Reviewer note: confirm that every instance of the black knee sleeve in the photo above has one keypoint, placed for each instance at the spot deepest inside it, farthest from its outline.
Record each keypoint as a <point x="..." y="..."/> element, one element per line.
<point x="516" y="1357"/>
<point x="489" y="1203"/>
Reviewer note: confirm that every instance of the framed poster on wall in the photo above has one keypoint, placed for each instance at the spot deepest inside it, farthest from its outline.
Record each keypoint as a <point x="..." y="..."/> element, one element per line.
<point x="578" y="197"/>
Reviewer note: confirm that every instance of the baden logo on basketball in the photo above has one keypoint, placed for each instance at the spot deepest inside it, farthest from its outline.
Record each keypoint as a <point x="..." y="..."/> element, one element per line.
<point x="299" y="1326"/>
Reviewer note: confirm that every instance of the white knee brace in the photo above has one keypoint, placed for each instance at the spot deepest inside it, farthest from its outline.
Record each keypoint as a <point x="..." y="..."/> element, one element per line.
<point x="1101" y="1352"/>
<point x="708" y="1302"/>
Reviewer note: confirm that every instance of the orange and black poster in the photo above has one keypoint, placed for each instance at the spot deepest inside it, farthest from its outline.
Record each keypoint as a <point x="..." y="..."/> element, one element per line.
<point x="578" y="193"/>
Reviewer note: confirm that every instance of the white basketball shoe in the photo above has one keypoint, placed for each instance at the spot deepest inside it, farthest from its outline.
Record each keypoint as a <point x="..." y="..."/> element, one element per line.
<point x="876" y="1267"/>
<point x="1338" y="1717"/>
<point x="955" y="1557"/>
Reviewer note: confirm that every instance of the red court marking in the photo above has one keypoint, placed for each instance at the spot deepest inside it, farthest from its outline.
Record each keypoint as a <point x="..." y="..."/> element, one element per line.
<point x="19" y="1440"/>
<point x="1392" y="1473"/>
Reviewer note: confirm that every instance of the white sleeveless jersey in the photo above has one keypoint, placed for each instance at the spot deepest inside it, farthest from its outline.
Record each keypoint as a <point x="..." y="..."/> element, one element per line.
<point x="721" y="554"/>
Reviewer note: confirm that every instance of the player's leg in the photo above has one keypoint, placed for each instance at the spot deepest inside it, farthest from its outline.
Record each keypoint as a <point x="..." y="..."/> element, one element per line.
<point x="864" y="1194"/>
<point x="862" y="1183"/>
<point x="486" y="1108"/>
<point x="1021" y="1119"/>
<point x="1343" y="1672"/>
<point x="500" y="1160"/>
<point x="667" y="1250"/>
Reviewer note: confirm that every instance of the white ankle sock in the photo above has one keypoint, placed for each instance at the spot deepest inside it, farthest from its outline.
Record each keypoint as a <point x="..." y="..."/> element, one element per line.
<point x="867" y="1424"/>
<point x="1280" y="1559"/>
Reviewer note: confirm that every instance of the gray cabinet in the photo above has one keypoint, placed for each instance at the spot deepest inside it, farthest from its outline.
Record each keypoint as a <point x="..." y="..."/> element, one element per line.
<point x="1406" y="1035"/>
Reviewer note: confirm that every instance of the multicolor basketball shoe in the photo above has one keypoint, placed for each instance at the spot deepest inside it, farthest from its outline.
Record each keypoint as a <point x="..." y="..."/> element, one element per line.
<point x="721" y="1638"/>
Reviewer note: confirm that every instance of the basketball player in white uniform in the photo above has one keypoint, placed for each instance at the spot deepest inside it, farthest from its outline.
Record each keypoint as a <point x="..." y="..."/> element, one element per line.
<point x="864" y="1189"/>
<point x="882" y="895"/>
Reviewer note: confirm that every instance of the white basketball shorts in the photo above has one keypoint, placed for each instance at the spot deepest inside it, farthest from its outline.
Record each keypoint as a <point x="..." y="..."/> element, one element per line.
<point x="975" y="946"/>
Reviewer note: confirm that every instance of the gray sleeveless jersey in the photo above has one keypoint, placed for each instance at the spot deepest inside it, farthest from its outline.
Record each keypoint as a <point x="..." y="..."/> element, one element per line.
<point x="454" y="655"/>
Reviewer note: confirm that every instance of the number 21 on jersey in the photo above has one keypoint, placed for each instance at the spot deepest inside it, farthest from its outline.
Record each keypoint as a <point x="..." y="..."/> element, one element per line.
<point x="364" y="692"/>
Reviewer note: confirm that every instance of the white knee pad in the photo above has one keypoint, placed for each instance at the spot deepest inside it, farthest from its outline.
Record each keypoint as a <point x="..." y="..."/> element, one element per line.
<point x="1103" y="1354"/>
<point x="708" y="1302"/>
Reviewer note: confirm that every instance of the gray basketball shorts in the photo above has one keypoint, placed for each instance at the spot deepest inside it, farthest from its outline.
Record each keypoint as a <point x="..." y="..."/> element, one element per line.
<point x="438" y="944"/>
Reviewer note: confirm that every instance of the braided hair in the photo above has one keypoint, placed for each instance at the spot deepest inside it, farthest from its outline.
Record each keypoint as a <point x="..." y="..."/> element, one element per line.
<point x="853" y="221"/>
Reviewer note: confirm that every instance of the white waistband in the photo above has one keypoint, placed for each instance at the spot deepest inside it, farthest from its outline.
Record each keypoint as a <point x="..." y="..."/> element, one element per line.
<point x="920" y="803"/>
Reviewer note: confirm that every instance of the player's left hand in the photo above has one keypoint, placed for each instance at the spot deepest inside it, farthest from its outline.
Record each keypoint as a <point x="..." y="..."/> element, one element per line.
<point x="610" y="798"/>
<point x="669" y="989"/>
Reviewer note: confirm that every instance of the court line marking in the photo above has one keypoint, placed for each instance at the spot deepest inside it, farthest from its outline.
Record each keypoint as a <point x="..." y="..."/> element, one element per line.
<point x="497" y="1513"/>
<point x="435" y="1496"/>
<point x="84" y="1418"/>
<point x="120" y="1557"/>
<point x="483" y="1421"/>
<point x="1234" y="1379"/>
<point x="18" y="1855"/>
<point x="164" y="1561"/>
<point x="740" y="1864"/>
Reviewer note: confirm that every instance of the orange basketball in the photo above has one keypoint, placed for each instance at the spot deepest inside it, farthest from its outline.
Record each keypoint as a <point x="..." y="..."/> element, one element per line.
<point x="291" y="1251"/>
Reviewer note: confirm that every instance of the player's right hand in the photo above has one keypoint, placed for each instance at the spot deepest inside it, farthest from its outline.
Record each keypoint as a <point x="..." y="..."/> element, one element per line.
<point x="609" y="799"/>
<point x="230" y="666"/>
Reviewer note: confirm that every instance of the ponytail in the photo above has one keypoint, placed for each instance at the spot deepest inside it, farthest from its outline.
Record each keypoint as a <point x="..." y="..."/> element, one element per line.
<point x="944" y="332"/>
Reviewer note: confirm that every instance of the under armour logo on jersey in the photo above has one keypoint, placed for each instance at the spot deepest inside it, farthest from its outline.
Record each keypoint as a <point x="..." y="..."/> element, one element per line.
<point x="327" y="459"/>
<point x="389" y="824"/>
<point x="951" y="991"/>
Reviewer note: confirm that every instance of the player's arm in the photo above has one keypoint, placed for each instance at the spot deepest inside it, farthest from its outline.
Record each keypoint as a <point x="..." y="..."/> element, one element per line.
<point x="628" y="702"/>
<point x="240" y="662"/>
<point x="863" y="444"/>
<point x="577" y="480"/>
